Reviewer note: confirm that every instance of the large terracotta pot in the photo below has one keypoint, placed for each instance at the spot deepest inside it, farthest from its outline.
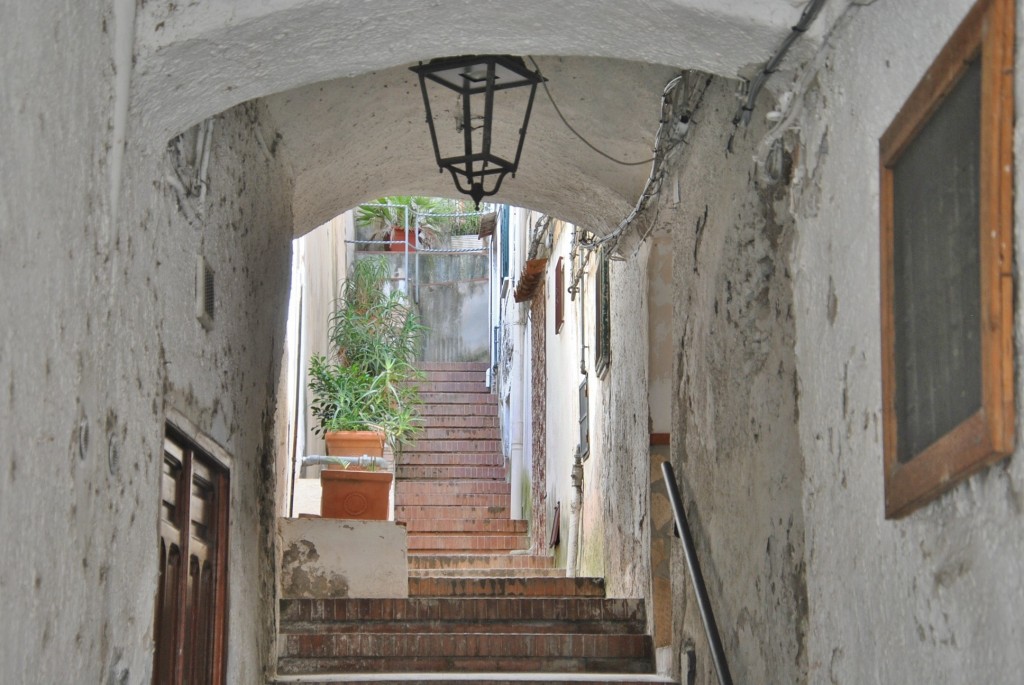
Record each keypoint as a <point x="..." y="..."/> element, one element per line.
<point x="354" y="443"/>
<point x="399" y="235"/>
<point x="352" y="494"/>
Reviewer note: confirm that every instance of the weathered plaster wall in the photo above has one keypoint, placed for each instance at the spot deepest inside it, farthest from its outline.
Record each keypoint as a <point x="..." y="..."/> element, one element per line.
<point x="70" y="588"/>
<point x="99" y="338"/>
<point x="659" y="331"/>
<point x="938" y="596"/>
<point x="455" y="313"/>
<point x="562" y="414"/>
<point x="735" y="445"/>
<point x="317" y="561"/>
<point x="224" y="379"/>
<point x="660" y="385"/>
<point x="623" y="475"/>
<point x="323" y="258"/>
<point x="539" y="325"/>
<point x="614" y="522"/>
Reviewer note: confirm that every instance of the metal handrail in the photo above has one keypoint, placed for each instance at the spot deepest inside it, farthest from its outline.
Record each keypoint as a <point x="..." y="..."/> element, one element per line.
<point x="693" y="565"/>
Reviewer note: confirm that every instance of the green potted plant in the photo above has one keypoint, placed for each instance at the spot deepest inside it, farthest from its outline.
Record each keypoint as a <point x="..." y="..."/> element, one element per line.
<point x="364" y="394"/>
<point x="389" y="213"/>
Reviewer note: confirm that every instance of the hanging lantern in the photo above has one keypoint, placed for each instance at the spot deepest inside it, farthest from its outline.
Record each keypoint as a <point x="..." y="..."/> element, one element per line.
<point x="478" y="107"/>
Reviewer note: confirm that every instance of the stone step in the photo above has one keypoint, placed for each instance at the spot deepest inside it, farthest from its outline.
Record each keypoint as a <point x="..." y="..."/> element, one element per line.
<point x="449" y="398"/>
<point x="466" y="525"/>
<point x="447" y="678"/>
<point x="457" y="376"/>
<point x="471" y="421"/>
<point x="535" y="615"/>
<point x="440" y="542"/>
<point x="452" y="487"/>
<point x="432" y="432"/>
<point x="506" y="587"/>
<point x="411" y="512"/>
<point x="456" y="446"/>
<point x="479" y="561"/>
<point x="450" y="459"/>
<point x="452" y="410"/>
<point x="411" y="652"/>
<point x="417" y="499"/>
<point x="486" y="573"/>
<point x="449" y="473"/>
<point x="452" y="366"/>
<point x="435" y="385"/>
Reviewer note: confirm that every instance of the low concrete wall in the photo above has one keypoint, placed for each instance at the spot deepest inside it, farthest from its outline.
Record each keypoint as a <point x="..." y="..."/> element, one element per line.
<point x="324" y="558"/>
<point x="452" y="302"/>
<point x="456" y="314"/>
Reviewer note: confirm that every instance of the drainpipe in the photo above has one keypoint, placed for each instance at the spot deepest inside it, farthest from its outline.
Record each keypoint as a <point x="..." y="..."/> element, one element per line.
<point x="406" y="213"/>
<point x="575" y="508"/>
<point x="517" y="395"/>
<point x="490" y="312"/>
<point x="203" y="159"/>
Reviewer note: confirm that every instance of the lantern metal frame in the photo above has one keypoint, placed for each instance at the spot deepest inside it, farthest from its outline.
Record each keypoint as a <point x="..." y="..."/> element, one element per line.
<point x="477" y="167"/>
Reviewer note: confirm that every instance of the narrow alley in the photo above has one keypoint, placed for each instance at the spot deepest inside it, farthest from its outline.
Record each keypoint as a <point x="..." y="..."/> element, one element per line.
<point x="773" y="243"/>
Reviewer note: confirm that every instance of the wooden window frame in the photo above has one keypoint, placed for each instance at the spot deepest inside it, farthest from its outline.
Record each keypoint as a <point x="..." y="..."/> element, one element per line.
<point x="178" y="626"/>
<point x="584" y="418"/>
<point x="559" y="296"/>
<point x="988" y="435"/>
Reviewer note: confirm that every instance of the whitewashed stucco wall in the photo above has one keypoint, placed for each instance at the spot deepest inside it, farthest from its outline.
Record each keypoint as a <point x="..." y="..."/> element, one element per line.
<point x="562" y="359"/>
<point x="98" y="341"/>
<point x="938" y="596"/>
<point x="735" y="444"/>
<point x="224" y="380"/>
<point x="622" y="475"/>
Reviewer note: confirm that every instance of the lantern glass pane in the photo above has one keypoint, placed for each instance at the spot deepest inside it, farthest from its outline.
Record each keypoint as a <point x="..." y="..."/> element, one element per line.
<point x="447" y="113"/>
<point x="509" y="113"/>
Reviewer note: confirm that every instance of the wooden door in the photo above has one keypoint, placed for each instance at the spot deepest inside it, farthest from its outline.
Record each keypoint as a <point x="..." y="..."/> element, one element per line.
<point x="191" y="596"/>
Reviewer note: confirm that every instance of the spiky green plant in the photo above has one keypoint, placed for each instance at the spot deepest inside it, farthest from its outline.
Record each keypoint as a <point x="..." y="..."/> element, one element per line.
<point x="368" y="381"/>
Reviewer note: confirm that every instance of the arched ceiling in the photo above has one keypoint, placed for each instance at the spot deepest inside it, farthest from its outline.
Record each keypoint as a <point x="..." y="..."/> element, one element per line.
<point x="334" y="76"/>
<point x="350" y="140"/>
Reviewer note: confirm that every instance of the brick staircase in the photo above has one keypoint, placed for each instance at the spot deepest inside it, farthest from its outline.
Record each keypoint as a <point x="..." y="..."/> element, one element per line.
<point x="482" y="607"/>
<point x="451" y="486"/>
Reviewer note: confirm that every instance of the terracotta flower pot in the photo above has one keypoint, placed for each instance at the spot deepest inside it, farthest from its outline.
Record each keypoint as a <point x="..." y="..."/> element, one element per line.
<point x="399" y="235"/>
<point x="354" y="443"/>
<point x="352" y="494"/>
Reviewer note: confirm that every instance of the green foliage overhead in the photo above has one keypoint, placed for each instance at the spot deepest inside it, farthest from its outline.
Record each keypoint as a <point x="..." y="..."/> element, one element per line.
<point x="423" y="211"/>
<point x="391" y="211"/>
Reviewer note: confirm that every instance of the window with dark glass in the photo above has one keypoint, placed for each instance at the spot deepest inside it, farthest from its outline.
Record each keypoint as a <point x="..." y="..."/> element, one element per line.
<point x="947" y="266"/>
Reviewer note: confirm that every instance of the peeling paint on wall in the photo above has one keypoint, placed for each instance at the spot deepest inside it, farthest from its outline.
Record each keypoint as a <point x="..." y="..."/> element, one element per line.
<point x="735" y="442"/>
<point x="301" y="576"/>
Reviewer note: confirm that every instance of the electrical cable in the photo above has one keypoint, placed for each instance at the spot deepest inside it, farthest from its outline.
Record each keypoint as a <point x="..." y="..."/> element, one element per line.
<point x="586" y="142"/>
<point x="772" y="65"/>
<point x="652" y="188"/>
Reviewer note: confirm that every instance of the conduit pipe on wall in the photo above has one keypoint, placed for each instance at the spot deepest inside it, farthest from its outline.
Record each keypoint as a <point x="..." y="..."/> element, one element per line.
<point x="575" y="509"/>
<point x="206" y="134"/>
<point x="518" y="394"/>
<point x="123" y="49"/>
<point x="578" y="285"/>
<point x="171" y="178"/>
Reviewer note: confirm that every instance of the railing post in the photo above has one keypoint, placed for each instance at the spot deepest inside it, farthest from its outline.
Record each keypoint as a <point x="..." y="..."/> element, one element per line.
<point x="693" y="565"/>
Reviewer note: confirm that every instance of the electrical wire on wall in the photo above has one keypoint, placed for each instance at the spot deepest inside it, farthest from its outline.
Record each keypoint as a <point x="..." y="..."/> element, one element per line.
<point x="558" y="111"/>
<point x="676" y="118"/>
<point x="678" y="106"/>
<point x="772" y="65"/>
<point x="677" y="110"/>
